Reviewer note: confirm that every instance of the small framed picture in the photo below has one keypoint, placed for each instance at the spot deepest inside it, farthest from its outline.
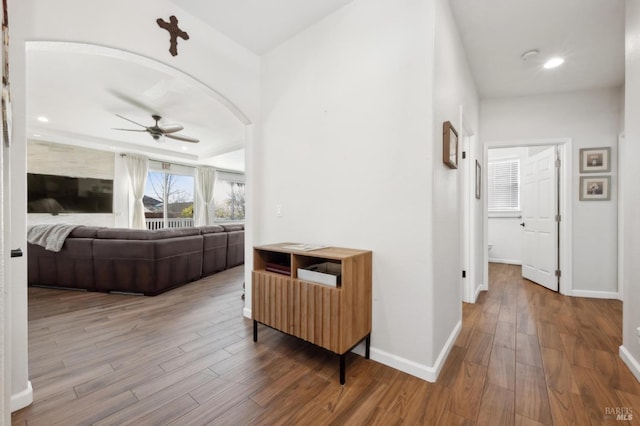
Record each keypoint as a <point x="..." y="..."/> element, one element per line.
<point x="595" y="188"/>
<point x="478" y="179"/>
<point x="595" y="160"/>
<point x="449" y="145"/>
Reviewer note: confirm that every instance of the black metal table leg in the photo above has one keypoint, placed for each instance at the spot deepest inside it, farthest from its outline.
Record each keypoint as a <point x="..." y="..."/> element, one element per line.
<point x="342" y="368"/>
<point x="367" y="345"/>
<point x="255" y="330"/>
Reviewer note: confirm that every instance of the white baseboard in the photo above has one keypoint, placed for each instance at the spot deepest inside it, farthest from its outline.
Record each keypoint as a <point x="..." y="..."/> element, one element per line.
<point x="596" y="294"/>
<point x="22" y="399"/>
<point x="507" y="261"/>
<point x="481" y="287"/>
<point x="247" y="313"/>
<point x="630" y="361"/>
<point x="421" y="371"/>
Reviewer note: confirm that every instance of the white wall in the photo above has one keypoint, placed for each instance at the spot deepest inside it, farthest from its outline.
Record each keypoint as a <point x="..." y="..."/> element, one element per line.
<point x="630" y="351"/>
<point x="208" y="56"/>
<point x="5" y="307"/>
<point x="21" y="393"/>
<point x="504" y="230"/>
<point x="590" y="119"/>
<point x="505" y="239"/>
<point x="346" y="150"/>
<point x="453" y="89"/>
<point x="350" y="152"/>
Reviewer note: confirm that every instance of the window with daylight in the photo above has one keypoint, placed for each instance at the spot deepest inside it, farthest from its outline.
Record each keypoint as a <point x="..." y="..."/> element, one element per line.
<point x="169" y="196"/>
<point x="228" y="196"/>
<point x="504" y="185"/>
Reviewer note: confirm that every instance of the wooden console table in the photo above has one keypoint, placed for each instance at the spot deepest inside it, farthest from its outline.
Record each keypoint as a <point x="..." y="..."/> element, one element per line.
<point x="335" y="318"/>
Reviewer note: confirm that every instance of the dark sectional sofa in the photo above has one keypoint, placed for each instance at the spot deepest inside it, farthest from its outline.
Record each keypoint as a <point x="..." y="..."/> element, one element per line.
<point x="134" y="260"/>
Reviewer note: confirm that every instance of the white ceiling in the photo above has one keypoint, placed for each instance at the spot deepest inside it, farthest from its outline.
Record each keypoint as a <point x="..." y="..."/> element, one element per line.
<point x="588" y="33"/>
<point x="260" y="25"/>
<point x="81" y="88"/>
<point x="80" y="91"/>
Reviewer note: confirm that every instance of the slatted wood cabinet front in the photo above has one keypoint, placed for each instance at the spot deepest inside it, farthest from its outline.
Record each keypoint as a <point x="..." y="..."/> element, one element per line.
<point x="335" y="318"/>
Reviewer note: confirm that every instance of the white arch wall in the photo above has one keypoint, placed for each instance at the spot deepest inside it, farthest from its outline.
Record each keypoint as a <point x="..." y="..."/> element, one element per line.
<point x="122" y="24"/>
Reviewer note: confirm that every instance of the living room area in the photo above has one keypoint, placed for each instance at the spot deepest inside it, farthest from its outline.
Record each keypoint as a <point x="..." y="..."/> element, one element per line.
<point x="75" y="171"/>
<point x="177" y="182"/>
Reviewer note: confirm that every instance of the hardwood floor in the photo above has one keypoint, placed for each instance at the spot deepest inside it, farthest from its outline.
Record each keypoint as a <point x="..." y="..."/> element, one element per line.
<point x="525" y="356"/>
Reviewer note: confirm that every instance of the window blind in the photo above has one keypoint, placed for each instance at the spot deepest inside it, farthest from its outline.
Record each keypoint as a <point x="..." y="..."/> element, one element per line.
<point x="504" y="185"/>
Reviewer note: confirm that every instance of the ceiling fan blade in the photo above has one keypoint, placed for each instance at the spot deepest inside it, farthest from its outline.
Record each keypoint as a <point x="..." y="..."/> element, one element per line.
<point x="183" y="138"/>
<point x="132" y="101"/>
<point x="134" y="122"/>
<point x="129" y="130"/>
<point x="171" y="128"/>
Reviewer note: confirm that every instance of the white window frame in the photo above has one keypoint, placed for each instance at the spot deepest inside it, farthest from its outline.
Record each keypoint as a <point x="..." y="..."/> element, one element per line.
<point x="504" y="210"/>
<point x="229" y="176"/>
<point x="174" y="169"/>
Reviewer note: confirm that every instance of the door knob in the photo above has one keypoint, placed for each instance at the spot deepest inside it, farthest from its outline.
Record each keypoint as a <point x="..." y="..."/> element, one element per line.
<point x="522" y="224"/>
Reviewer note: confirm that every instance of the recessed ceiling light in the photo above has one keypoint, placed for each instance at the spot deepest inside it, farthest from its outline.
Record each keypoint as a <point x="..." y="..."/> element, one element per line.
<point x="43" y="119"/>
<point x="553" y="63"/>
<point x="36" y="135"/>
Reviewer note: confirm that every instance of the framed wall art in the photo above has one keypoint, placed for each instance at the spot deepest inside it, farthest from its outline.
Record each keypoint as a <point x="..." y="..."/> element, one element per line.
<point x="595" y="188"/>
<point x="595" y="160"/>
<point x="449" y="145"/>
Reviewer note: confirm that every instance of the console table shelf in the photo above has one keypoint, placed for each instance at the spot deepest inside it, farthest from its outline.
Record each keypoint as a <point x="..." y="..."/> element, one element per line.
<point x="335" y="318"/>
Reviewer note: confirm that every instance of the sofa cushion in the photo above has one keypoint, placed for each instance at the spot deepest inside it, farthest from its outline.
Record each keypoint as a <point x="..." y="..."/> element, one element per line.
<point x="211" y="229"/>
<point x="71" y="267"/>
<point x="233" y="227"/>
<point x="235" y="248"/>
<point x="144" y="234"/>
<point x="146" y="266"/>
<point x="214" y="252"/>
<point x="85" y="231"/>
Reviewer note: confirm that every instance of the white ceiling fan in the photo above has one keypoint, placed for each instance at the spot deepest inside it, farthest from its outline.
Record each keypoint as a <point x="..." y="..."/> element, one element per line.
<point x="158" y="132"/>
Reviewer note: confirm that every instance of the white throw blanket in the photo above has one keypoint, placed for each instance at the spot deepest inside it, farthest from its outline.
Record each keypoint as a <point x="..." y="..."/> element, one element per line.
<point x="50" y="236"/>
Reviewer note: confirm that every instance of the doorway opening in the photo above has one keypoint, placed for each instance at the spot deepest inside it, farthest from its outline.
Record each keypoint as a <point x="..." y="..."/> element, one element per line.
<point x="527" y="214"/>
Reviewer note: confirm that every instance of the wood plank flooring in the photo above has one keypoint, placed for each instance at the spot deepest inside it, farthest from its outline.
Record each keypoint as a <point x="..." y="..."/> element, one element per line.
<point x="525" y="356"/>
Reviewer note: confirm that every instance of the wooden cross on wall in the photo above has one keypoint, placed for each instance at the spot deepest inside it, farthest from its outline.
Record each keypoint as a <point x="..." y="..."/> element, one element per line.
<point x="174" y="32"/>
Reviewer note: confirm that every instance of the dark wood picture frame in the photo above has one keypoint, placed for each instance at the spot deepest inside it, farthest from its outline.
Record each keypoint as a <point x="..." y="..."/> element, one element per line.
<point x="449" y="145"/>
<point x="478" y="180"/>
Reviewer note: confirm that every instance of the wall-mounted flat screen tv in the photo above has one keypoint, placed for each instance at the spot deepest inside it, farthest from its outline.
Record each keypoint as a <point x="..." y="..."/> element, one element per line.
<point x="63" y="194"/>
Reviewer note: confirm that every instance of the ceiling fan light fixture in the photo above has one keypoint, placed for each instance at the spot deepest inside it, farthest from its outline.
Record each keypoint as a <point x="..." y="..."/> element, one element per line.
<point x="159" y="137"/>
<point x="553" y="63"/>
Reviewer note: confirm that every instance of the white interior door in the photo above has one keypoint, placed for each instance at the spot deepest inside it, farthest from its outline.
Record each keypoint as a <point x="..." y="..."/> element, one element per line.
<point x="539" y="209"/>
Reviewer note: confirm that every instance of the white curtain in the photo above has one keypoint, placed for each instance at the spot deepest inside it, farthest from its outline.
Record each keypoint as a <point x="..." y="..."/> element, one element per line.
<point x="137" y="168"/>
<point x="205" y="181"/>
